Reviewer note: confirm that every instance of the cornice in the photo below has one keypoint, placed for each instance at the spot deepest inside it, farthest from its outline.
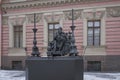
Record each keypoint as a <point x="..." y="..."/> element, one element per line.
<point x="44" y="3"/>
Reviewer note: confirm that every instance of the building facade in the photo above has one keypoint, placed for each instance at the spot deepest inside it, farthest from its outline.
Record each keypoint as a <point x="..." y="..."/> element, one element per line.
<point x="97" y="30"/>
<point x="0" y="31"/>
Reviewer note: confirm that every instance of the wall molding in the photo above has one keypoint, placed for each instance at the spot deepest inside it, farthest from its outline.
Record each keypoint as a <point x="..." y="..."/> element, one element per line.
<point x="113" y="11"/>
<point x="5" y="20"/>
<point x="16" y="20"/>
<point x="77" y="14"/>
<point x="30" y="17"/>
<point x="94" y="14"/>
<point x="53" y="17"/>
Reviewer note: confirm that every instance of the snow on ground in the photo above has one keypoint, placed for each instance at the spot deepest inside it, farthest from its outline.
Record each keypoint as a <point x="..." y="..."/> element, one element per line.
<point x="20" y="75"/>
<point x="101" y="76"/>
<point x="12" y="75"/>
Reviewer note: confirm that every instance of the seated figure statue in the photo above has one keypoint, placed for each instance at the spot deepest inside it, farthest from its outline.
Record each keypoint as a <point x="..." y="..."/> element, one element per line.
<point x="57" y="46"/>
<point x="61" y="44"/>
<point x="60" y="39"/>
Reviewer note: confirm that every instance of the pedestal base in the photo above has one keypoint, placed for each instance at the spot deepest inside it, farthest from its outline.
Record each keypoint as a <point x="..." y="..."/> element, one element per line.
<point x="57" y="68"/>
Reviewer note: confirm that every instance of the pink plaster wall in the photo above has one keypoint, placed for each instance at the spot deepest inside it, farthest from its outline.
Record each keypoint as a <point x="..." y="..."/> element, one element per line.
<point x="113" y="36"/>
<point x="29" y="37"/>
<point x="78" y="33"/>
<point x="0" y="33"/>
<point x="5" y="39"/>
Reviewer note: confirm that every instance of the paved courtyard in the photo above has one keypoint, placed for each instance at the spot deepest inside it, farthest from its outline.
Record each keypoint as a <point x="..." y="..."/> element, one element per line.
<point x="20" y="75"/>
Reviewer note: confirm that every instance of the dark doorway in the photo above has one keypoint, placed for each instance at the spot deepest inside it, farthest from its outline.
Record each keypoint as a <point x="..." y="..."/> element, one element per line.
<point x="17" y="65"/>
<point x="94" y="66"/>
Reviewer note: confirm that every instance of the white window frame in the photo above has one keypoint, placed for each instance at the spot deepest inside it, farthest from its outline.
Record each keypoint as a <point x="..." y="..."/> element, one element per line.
<point x="102" y="34"/>
<point x="11" y="25"/>
<point x="46" y="26"/>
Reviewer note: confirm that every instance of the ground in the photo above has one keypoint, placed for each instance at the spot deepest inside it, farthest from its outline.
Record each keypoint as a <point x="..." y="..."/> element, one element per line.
<point x="20" y="75"/>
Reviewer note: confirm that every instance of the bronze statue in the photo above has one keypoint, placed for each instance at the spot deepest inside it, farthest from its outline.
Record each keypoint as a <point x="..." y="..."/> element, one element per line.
<point x="61" y="44"/>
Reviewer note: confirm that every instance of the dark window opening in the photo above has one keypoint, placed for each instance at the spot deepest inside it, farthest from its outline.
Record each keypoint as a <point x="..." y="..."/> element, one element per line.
<point x="17" y="65"/>
<point x="94" y="66"/>
<point x="18" y="36"/>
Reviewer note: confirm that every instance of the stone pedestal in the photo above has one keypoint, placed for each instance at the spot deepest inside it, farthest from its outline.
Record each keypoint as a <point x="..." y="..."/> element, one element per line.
<point x="57" y="68"/>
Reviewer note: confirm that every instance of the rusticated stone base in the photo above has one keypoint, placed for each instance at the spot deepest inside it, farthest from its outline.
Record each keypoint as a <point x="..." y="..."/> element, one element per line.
<point x="109" y="63"/>
<point x="13" y="62"/>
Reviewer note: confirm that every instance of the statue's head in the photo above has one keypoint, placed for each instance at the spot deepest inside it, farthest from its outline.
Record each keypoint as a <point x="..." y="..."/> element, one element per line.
<point x="60" y="30"/>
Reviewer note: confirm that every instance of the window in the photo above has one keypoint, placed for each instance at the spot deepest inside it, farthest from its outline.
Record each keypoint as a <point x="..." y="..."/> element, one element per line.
<point x="18" y="36"/>
<point x="17" y="65"/>
<point x="94" y="66"/>
<point x="93" y="34"/>
<point x="52" y="29"/>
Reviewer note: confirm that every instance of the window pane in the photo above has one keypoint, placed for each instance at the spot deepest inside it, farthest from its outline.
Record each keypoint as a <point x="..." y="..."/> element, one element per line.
<point x="96" y="42"/>
<point x="50" y="35"/>
<point x="21" y="39"/>
<point x="52" y="29"/>
<point x="90" y="40"/>
<point x="90" y="43"/>
<point x="97" y="38"/>
<point x="57" y="26"/>
<point x="90" y="32"/>
<point x="16" y="39"/>
<point x="16" y="28"/>
<point x="50" y="38"/>
<point x="90" y="36"/>
<point x="97" y="32"/>
<point x="21" y="28"/>
<point x="97" y="23"/>
<point x="18" y="36"/>
<point x="90" y="24"/>
<point x="50" y="26"/>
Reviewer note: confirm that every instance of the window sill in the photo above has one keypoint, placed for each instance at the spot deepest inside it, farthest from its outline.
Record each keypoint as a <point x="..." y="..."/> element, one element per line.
<point x="101" y="46"/>
<point x="16" y="48"/>
<point x="16" y="51"/>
